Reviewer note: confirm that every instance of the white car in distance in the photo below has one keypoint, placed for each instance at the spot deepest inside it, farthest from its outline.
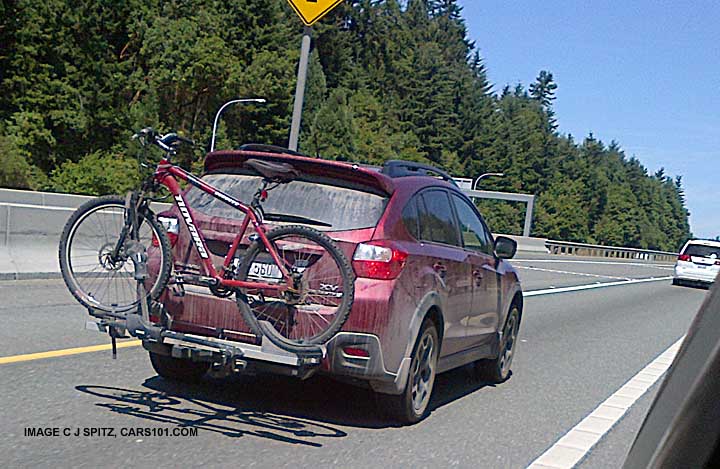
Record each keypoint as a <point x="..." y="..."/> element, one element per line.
<point x="698" y="262"/>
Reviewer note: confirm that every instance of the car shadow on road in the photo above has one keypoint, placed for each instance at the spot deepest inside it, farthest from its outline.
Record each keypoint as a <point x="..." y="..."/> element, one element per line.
<point x="696" y="285"/>
<point x="456" y="384"/>
<point x="274" y="407"/>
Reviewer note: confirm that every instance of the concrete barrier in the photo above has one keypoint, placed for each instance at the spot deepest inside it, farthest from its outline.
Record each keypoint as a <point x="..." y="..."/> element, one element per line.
<point x="30" y="238"/>
<point x="31" y="234"/>
<point x="30" y="227"/>
<point x="528" y="244"/>
<point x="51" y="199"/>
<point x="29" y="241"/>
<point x="31" y="224"/>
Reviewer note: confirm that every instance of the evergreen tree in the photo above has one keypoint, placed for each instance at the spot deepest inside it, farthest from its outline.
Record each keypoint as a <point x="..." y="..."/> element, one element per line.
<point x="387" y="79"/>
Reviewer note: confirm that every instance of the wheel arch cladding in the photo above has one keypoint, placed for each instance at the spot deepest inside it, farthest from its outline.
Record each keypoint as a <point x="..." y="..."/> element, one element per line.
<point x="519" y="301"/>
<point x="435" y="315"/>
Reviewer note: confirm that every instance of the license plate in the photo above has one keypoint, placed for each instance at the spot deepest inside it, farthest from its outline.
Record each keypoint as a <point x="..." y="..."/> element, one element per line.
<point x="260" y="270"/>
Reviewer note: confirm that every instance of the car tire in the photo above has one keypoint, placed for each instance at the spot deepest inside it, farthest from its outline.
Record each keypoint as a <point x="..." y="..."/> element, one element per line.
<point x="412" y="405"/>
<point x="497" y="370"/>
<point x="676" y="281"/>
<point x="178" y="369"/>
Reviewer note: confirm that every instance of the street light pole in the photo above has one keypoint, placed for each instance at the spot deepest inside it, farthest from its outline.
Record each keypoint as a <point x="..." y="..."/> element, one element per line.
<point x="486" y="175"/>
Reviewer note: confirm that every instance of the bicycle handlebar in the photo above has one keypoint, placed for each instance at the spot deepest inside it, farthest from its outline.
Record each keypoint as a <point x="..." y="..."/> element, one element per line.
<point x="167" y="142"/>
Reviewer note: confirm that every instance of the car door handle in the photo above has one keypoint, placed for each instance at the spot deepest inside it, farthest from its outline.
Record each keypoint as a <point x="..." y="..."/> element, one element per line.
<point x="440" y="269"/>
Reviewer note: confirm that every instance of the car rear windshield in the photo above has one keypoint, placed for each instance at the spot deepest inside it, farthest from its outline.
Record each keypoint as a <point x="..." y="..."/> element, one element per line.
<point x="323" y="206"/>
<point x="701" y="250"/>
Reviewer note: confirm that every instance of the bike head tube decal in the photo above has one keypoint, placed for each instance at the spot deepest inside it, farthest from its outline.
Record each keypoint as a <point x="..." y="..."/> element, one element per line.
<point x="191" y="226"/>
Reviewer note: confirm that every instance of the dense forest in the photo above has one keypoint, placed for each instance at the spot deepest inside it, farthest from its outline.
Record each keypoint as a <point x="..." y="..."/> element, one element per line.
<point x="388" y="79"/>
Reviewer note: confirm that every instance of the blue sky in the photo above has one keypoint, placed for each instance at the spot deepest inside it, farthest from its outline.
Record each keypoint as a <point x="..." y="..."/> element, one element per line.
<point x="644" y="73"/>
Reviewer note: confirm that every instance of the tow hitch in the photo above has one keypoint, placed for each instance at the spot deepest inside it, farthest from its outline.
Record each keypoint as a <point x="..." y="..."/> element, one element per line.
<point x="227" y="357"/>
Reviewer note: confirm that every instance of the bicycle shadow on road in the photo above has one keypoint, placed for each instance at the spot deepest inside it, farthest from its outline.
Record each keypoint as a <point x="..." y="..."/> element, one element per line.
<point x="192" y="406"/>
<point x="274" y="407"/>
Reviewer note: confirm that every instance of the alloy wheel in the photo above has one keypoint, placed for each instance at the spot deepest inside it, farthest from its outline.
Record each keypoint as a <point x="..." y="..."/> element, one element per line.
<point x="510" y="336"/>
<point x="423" y="373"/>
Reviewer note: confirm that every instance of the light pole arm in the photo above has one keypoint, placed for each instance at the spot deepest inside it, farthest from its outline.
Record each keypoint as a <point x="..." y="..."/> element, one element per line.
<point x="222" y="108"/>
<point x="482" y="176"/>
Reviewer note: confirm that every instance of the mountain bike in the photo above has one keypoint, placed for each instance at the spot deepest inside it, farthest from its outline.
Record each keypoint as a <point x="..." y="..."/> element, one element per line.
<point x="280" y="280"/>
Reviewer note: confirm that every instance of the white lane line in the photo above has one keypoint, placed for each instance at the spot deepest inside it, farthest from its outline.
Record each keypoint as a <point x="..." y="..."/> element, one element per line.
<point x="572" y="447"/>
<point x="560" y="261"/>
<point x="527" y="267"/>
<point x="549" y="291"/>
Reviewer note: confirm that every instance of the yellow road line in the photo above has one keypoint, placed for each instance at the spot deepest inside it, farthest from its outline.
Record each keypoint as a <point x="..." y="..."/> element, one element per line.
<point x="68" y="351"/>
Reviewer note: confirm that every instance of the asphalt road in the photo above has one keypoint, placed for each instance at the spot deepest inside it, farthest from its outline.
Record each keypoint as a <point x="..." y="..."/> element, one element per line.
<point x="576" y="349"/>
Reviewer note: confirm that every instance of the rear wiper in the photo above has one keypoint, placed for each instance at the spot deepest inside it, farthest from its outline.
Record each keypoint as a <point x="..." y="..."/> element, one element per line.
<point x="294" y="219"/>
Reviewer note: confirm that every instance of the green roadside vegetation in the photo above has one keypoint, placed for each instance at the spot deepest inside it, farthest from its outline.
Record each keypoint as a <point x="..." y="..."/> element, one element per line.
<point x="387" y="80"/>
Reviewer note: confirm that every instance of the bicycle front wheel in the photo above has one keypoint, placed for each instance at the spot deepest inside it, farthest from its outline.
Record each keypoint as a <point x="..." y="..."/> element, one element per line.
<point x="315" y="306"/>
<point x="94" y="277"/>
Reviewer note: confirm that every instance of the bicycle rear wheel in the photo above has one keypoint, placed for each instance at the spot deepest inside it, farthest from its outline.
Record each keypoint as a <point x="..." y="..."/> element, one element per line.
<point x="93" y="277"/>
<point x="317" y="304"/>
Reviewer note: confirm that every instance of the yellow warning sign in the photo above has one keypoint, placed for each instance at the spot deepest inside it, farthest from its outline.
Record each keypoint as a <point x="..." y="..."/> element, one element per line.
<point x="312" y="10"/>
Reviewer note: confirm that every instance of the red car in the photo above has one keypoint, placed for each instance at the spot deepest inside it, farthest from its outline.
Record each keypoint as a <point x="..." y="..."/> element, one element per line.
<point x="433" y="291"/>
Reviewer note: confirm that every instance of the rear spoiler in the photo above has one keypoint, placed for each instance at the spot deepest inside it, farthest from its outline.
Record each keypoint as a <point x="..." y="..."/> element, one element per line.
<point x="311" y="169"/>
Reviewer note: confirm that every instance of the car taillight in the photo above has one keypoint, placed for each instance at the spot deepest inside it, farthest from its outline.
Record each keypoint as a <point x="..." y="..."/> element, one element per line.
<point x="356" y="352"/>
<point x="378" y="260"/>
<point x="172" y="227"/>
<point x="684" y="257"/>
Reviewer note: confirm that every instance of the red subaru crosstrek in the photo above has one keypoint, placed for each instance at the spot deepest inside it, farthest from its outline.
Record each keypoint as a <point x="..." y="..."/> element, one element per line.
<point x="432" y="291"/>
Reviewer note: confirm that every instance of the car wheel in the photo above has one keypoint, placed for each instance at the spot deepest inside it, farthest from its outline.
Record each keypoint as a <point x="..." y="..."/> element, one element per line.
<point x="413" y="404"/>
<point x="178" y="369"/>
<point x="497" y="370"/>
<point x="676" y="281"/>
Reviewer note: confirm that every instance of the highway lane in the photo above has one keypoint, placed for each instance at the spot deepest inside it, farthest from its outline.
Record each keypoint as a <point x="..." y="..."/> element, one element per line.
<point x="542" y="271"/>
<point x="45" y="312"/>
<point x="40" y="315"/>
<point x="577" y="349"/>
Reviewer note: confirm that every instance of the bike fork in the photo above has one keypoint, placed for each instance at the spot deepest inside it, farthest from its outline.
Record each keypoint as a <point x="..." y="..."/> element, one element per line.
<point x="131" y="223"/>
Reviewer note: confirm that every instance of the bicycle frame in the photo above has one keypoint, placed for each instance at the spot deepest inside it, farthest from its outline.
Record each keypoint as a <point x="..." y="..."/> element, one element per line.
<point x="167" y="175"/>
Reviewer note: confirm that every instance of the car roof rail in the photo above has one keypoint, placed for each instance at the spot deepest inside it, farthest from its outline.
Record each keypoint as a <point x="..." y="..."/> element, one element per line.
<point x="400" y="168"/>
<point x="261" y="147"/>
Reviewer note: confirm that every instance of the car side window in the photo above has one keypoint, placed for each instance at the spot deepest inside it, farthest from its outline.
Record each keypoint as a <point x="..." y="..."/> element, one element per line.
<point x="410" y="218"/>
<point x="437" y="223"/>
<point x="474" y="235"/>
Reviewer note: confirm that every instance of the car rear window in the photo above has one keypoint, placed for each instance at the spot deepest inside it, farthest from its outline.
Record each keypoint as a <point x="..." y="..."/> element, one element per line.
<point x="334" y="208"/>
<point x="701" y="250"/>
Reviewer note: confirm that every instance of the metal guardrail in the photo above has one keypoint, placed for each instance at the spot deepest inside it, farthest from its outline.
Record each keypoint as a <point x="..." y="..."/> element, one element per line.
<point x="596" y="250"/>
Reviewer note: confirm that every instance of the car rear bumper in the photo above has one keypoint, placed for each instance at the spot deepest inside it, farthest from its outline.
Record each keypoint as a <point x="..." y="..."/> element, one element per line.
<point x="269" y="359"/>
<point x="228" y="356"/>
<point x="371" y="368"/>
<point x="695" y="275"/>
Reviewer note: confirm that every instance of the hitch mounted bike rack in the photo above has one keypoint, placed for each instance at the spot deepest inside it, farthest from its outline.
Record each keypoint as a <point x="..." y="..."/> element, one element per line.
<point x="224" y="353"/>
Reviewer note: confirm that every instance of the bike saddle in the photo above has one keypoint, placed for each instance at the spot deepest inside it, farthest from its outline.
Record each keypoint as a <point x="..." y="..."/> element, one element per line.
<point x="276" y="172"/>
